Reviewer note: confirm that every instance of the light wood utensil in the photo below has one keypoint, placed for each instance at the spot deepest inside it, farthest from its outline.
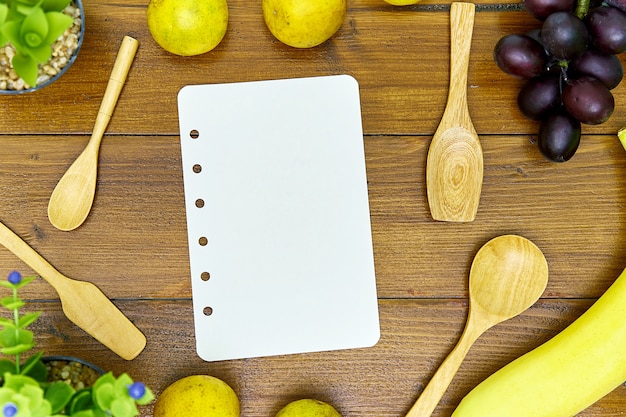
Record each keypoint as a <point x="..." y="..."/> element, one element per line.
<point x="508" y="275"/>
<point x="83" y="303"/>
<point x="454" y="166"/>
<point x="73" y="196"/>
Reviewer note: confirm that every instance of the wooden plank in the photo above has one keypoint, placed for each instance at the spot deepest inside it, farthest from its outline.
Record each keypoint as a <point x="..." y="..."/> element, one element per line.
<point x="380" y="381"/>
<point x="134" y="241"/>
<point x="398" y="55"/>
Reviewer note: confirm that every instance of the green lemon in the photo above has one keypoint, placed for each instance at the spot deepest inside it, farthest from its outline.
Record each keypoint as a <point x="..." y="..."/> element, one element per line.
<point x="187" y="27"/>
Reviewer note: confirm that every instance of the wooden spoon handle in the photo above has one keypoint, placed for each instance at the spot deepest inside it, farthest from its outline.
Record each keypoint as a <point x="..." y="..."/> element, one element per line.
<point x="83" y="303"/>
<point x="430" y="397"/>
<point x="124" y="60"/>
<point x="22" y="250"/>
<point x="461" y="29"/>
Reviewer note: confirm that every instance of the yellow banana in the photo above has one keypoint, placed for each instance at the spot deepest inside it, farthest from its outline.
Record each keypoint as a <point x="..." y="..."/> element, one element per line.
<point x="565" y="375"/>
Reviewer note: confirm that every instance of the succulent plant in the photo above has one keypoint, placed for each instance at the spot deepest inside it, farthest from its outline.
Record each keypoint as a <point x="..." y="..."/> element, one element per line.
<point x="24" y="389"/>
<point x="32" y="26"/>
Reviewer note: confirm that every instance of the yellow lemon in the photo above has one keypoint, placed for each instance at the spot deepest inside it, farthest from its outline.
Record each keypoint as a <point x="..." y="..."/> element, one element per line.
<point x="197" y="396"/>
<point x="402" y="2"/>
<point x="308" y="408"/>
<point x="304" y="23"/>
<point x="187" y="27"/>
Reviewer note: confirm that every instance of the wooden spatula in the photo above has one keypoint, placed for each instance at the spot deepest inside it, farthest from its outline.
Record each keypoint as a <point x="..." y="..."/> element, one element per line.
<point x="83" y="303"/>
<point x="454" y="167"/>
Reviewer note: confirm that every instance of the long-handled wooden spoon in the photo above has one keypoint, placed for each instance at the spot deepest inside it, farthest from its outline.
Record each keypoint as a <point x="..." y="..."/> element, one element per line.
<point x="83" y="303"/>
<point x="72" y="198"/>
<point x="454" y="166"/>
<point x="508" y="275"/>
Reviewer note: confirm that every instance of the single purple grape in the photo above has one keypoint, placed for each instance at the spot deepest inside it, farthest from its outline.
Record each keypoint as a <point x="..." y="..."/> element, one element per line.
<point x="541" y="9"/>
<point x="564" y="35"/>
<point x="559" y="136"/>
<point x="540" y="96"/>
<point x="588" y="100"/>
<point x="607" y="29"/>
<point x="605" y="67"/>
<point x="520" y="56"/>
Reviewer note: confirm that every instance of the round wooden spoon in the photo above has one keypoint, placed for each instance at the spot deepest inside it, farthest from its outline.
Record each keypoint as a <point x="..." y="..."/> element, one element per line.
<point x="72" y="198"/>
<point x="508" y="275"/>
<point x="454" y="166"/>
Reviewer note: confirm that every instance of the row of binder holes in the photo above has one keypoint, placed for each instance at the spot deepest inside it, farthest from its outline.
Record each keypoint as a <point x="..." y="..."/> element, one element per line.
<point x="203" y="241"/>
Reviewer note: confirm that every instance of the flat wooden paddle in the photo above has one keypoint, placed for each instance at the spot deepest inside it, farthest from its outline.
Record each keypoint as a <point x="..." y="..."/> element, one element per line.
<point x="83" y="303"/>
<point x="508" y="275"/>
<point x="72" y="198"/>
<point x="454" y="167"/>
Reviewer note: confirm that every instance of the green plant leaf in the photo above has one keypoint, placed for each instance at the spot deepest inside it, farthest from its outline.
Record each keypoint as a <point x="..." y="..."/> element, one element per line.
<point x="8" y="337"/>
<point x="104" y="391"/>
<point x="38" y="405"/>
<point x="26" y="281"/>
<point x="57" y="24"/>
<point x="28" y="319"/>
<point x="29" y="3"/>
<point x="16" y="350"/>
<point x="7" y="365"/>
<point x="4" y="12"/>
<point x="59" y="395"/>
<point x="34" y="28"/>
<point x="26" y="67"/>
<point x="12" y="303"/>
<point x="6" y="284"/>
<point x="15" y="341"/>
<point x="84" y="413"/>
<point x="4" y="322"/>
<point x="35" y="368"/>
<point x="148" y="396"/>
<point x="82" y="400"/>
<point x="123" y="408"/>
<point x="11" y="29"/>
<point x="54" y="5"/>
<point x="18" y="382"/>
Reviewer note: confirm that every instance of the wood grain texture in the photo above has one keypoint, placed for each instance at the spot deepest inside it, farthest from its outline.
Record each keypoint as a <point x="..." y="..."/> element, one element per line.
<point x="380" y="381"/>
<point x="133" y="245"/>
<point x="454" y="166"/>
<point x="398" y="55"/>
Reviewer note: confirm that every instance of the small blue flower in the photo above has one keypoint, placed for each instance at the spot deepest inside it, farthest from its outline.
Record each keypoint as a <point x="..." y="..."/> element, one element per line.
<point x="136" y="390"/>
<point x="9" y="410"/>
<point x="15" y="277"/>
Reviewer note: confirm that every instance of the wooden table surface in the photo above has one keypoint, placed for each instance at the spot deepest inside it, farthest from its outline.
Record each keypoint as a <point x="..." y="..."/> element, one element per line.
<point x="134" y="243"/>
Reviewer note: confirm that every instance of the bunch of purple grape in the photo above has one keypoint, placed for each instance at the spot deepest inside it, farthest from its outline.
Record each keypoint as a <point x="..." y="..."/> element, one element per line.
<point x="570" y="65"/>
